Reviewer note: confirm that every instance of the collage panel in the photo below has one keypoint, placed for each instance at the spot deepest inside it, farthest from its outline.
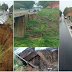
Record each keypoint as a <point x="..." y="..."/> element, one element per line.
<point x="65" y="49"/>
<point x="6" y="35"/>
<point x="36" y="23"/>
<point x="30" y="32"/>
<point x="35" y="59"/>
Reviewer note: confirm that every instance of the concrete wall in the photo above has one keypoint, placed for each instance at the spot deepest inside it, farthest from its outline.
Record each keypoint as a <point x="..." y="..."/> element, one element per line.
<point x="20" y="22"/>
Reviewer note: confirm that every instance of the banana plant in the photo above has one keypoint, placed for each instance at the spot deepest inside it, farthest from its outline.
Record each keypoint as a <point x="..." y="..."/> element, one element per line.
<point x="41" y="29"/>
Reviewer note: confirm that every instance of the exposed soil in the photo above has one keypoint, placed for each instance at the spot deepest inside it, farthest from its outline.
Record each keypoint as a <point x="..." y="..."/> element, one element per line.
<point x="53" y="6"/>
<point x="6" y="41"/>
<point x="50" y="25"/>
<point x="69" y="13"/>
<point x="42" y="59"/>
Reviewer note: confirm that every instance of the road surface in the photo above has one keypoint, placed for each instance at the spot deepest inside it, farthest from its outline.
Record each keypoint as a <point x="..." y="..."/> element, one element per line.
<point x="20" y="11"/>
<point x="65" y="49"/>
<point x="24" y="11"/>
<point x="3" y="18"/>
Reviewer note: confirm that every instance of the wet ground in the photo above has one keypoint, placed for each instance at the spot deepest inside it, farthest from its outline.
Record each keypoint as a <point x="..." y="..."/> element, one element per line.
<point x="65" y="49"/>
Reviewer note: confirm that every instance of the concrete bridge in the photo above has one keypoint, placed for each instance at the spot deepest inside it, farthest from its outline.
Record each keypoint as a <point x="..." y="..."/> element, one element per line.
<point x="20" y="22"/>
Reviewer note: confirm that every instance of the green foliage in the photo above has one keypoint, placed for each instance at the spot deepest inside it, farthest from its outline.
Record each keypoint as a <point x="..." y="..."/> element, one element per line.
<point x="46" y="3"/>
<point x="65" y="11"/>
<point x="60" y="12"/>
<point x="49" y="34"/>
<point x="11" y="18"/>
<point x="41" y="27"/>
<point x="4" y="7"/>
<point x="48" y="12"/>
<point x="43" y="42"/>
<point x="26" y="34"/>
<point x="16" y="67"/>
<point x="52" y="29"/>
<point x="32" y="23"/>
<point x="47" y="17"/>
<point x="20" y="64"/>
<point x="11" y="8"/>
<point x="71" y="19"/>
<point x="1" y="48"/>
<point x="23" y="4"/>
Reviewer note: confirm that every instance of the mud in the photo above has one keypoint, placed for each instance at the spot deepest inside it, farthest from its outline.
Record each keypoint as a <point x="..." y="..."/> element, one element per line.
<point x="69" y="13"/>
<point x="6" y="41"/>
<point x="53" y="6"/>
<point x="42" y="59"/>
<point x="32" y="16"/>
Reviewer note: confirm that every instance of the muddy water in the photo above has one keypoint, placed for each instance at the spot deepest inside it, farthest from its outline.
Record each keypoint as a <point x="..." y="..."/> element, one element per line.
<point x="65" y="49"/>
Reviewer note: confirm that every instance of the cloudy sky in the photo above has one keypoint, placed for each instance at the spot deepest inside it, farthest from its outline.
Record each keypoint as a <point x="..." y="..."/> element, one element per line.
<point x="10" y="3"/>
<point x="20" y="49"/>
<point x="64" y="4"/>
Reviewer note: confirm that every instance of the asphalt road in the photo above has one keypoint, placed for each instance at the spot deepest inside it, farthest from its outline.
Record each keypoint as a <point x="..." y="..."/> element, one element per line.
<point x="65" y="49"/>
<point x="3" y="18"/>
<point x="21" y="11"/>
<point x="24" y="11"/>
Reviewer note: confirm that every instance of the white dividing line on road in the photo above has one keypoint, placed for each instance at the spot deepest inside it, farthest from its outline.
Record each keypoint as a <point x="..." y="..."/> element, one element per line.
<point x="69" y="27"/>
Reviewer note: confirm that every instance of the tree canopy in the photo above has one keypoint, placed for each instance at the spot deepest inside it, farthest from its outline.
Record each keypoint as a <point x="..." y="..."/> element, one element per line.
<point x="46" y="3"/>
<point x="60" y="12"/>
<point x="23" y="4"/>
<point x="4" y="7"/>
<point x="66" y="10"/>
<point x="11" y="8"/>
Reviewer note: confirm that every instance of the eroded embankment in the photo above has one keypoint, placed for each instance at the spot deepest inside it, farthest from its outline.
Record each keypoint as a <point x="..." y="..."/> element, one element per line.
<point x="41" y="59"/>
<point x="6" y="48"/>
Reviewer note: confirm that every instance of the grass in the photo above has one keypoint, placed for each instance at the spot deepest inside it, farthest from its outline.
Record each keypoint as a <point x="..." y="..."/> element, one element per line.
<point x="49" y="42"/>
<point x="1" y="51"/>
<point x="48" y="12"/>
<point x="20" y="64"/>
<point x="1" y="48"/>
<point x="48" y="20"/>
<point x="71" y="19"/>
<point x="10" y="20"/>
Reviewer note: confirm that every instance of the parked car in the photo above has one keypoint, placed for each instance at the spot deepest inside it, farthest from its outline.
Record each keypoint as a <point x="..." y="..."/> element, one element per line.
<point x="10" y="14"/>
<point x="65" y="17"/>
<point x="34" y="10"/>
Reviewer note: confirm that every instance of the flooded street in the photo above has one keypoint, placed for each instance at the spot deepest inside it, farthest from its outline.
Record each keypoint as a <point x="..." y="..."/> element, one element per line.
<point x="65" y="49"/>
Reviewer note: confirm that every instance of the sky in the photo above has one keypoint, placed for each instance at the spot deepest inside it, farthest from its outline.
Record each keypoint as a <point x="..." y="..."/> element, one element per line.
<point x="64" y="4"/>
<point x="20" y="49"/>
<point x="10" y="3"/>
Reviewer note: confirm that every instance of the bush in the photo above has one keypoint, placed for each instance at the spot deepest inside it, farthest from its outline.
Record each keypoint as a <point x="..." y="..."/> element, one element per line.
<point x="26" y="34"/>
